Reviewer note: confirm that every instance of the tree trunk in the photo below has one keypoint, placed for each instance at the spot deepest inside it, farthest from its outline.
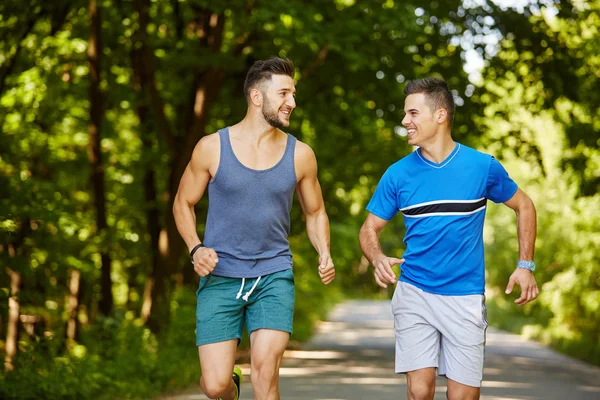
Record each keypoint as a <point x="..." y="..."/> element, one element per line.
<point x="147" y="300"/>
<point x="15" y="249"/>
<point x="12" y="332"/>
<point x="170" y="246"/>
<point x="159" y="286"/>
<point x="87" y="314"/>
<point x="95" y="153"/>
<point x="73" y="305"/>
<point x="145" y="86"/>
<point x="153" y="218"/>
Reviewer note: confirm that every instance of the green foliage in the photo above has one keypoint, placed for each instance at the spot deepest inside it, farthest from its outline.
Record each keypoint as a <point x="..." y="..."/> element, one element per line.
<point x="116" y="359"/>
<point x="548" y="58"/>
<point x="535" y="106"/>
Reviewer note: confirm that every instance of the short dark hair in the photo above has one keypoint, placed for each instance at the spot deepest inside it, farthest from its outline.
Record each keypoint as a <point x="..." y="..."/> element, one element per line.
<point x="437" y="94"/>
<point x="264" y="69"/>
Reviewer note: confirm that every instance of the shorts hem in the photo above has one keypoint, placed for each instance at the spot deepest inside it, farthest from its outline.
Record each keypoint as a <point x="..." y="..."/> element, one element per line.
<point x="274" y="328"/>
<point x="217" y="340"/>
<point x="413" y="367"/>
<point x="468" y="382"/>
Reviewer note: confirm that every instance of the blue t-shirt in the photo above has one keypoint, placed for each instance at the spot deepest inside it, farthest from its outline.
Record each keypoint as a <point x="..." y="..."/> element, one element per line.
<point x="443" y="206"/>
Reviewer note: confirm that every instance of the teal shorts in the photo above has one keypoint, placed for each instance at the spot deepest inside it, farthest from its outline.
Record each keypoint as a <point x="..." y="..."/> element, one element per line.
<point x="225" y="304"/>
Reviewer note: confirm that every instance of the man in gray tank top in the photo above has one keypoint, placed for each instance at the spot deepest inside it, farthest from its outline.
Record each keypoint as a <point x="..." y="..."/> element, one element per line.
<point x="251" y="171"/>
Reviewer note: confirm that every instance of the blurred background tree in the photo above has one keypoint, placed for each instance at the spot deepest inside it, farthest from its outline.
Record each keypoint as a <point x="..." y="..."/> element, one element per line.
<point x="102" y="102"/>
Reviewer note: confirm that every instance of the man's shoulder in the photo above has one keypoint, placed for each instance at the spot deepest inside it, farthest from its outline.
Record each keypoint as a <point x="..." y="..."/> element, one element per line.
<point x="404" y="163"/>
<point x="473" y="153"/>
<point x="207" y="148"/>
<point x="209" y="142"/>
<point x="305" y="160"/>
<point x="400" y="170"/>
<point x="303" y="151"/>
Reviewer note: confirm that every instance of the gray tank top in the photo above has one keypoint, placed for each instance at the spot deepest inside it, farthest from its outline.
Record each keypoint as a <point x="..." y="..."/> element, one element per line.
<point x="248" y="220"/>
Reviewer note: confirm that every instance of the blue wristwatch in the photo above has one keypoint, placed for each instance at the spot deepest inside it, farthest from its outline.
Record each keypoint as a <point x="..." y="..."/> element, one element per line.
<point x="528" y="265"/>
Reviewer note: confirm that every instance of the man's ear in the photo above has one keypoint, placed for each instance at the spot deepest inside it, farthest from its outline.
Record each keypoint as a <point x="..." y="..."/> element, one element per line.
<point x="442" y="115"/>
<point x="256" y="97"/>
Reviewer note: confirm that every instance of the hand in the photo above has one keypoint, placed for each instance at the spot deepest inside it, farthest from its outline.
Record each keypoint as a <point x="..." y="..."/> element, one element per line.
<point x="326" y="269"/>
<point x="205" y="259"/>
<point x="525" y="279"/>
<point x="383" y="270"/>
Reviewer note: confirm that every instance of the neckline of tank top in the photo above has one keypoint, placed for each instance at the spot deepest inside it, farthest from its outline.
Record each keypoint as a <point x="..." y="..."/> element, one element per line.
<point x="287" y="146"/>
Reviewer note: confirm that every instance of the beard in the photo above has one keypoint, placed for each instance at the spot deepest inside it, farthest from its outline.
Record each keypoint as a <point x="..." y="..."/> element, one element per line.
<point x="271" y="115"/>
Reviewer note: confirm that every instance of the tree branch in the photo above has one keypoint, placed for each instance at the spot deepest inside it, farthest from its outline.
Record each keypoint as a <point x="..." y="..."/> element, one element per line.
<point x="318" y="61"/>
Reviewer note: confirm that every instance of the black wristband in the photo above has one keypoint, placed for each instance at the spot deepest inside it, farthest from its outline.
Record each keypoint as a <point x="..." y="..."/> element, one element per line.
<point x="196" y="247"/>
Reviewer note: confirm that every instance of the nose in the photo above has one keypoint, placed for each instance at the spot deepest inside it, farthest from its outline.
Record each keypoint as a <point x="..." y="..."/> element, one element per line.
<point x="406" y="120"/>
<point x="291" y="101"/>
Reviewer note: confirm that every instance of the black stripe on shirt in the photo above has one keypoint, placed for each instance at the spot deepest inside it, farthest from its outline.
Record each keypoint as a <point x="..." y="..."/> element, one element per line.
<point x="448" y="207"/>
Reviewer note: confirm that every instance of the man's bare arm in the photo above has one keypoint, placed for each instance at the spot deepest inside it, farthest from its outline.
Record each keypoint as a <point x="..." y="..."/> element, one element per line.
<point x="369" y="237"/>
<point x="191" y="189"/>
<point x="371" y="248"/>
<point x="526" y="223"/>
<point x="311" y="199"/>
<point x="526" y="232"/>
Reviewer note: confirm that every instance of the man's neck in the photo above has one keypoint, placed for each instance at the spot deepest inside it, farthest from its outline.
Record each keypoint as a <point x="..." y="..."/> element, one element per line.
<point x="254" y="129"/>
<point x="439" y="148"/>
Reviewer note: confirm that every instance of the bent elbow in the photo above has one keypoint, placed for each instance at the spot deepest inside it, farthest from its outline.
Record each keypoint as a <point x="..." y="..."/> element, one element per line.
<point x="529" y="206"/>
<point x="315" y="214"/>
<point x="365" y="231"/>
<point x="525" y="207"/>
<point x="176" y="204"/>
<point x="532" y="206"/>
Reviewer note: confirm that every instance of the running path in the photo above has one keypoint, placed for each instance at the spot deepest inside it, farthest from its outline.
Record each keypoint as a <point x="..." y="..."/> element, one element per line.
<point x="352" y="358"/>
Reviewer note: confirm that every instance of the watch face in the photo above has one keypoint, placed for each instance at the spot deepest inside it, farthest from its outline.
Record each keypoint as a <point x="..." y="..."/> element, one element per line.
<point x="530" y="265"/>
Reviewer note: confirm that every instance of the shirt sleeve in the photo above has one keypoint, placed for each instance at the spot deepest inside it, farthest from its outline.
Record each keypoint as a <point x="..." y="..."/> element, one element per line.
<point x="384" y="203"/>
<point x="500" y="187"/>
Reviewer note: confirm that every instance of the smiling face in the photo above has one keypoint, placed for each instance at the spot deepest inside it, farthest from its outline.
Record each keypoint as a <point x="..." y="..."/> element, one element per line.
<point x="421" y="122"/>
<point x="278" y="100"/>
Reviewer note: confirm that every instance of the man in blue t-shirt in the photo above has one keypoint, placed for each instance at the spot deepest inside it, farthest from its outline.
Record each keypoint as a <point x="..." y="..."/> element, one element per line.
<point x="442" y="189"/>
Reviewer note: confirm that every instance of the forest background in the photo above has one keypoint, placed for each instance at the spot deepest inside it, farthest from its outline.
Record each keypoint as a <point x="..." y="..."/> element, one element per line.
<point x="102" y="102"/>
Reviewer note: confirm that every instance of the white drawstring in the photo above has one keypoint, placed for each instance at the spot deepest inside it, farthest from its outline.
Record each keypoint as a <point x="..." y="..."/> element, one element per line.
<point x="249" y="292"/>
<point x="241" y="289"/>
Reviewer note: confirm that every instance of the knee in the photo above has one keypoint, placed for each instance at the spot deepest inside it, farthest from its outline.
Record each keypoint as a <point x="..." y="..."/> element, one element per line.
<point x="215" y="388"/>
<point x="263" y="374"/>
<point x="471" y="393"/>
<point x="421" y="391"/>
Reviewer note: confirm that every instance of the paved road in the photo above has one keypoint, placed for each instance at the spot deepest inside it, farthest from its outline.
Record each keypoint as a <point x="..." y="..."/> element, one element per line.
<point x="352" y="358"/>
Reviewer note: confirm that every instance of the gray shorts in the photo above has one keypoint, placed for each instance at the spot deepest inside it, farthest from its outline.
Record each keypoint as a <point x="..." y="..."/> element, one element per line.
<point x="444" y="332"/>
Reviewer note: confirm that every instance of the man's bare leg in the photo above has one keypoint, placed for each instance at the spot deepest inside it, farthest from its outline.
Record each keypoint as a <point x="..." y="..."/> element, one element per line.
<point x="421" y="384"/>
<point x="267" y="348"/>
<point x="458" y="391"/>
<point x="217" y="361"/>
